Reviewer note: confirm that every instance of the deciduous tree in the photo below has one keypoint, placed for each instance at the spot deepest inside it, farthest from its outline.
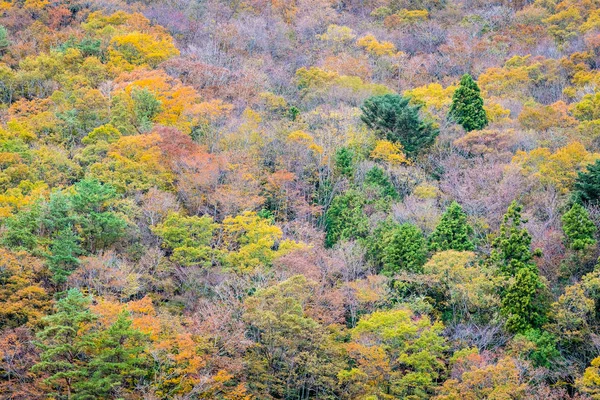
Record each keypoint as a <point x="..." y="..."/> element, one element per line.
<point x="395" y="354"/>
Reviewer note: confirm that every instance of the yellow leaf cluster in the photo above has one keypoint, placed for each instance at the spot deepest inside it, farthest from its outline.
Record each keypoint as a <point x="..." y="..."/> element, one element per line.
<point x="433" y="96"/>
<point x="135" y="163"/>
<point x="251" y="241"/>
<point x="389" y="152"/>
<point x="306" y="140"/>
<point x="375" y="47"/>
<point x="558" y="169"/>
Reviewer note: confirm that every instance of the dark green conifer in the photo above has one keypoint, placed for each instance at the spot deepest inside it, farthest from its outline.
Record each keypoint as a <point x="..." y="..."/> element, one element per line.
<point x="345" y="218"/>
<point x="467" y="105"/>
<point x="405" y="249"/>
<point x="524" y="298"/>
<point x="118" y="361"/>
<point x="343" y="162"/>
<point x="63" y="355"/>
<point x="587" y="186"/>
<point x="62" y="260"/>
<point x="579" y="228"/>
<point x="377" y="178"/>
<point x="394" y="119"/>
<point x="453" y="232"/>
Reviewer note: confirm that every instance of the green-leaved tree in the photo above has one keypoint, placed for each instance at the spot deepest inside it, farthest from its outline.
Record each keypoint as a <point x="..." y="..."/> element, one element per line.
<point x="62" y="260"/>
<point x="467" y="105"/>
<point x="97" y="221"/>
<point x="63" y="356"/>
<point x="188" y="238"/>
<point x="394" y="119"/>
<point x="405" y="249"/>
<point x="345" y="218"/>
<point x="118" y="361"/>
<point x="524" y="298"/>
<point x="587" y="186"/>
<point x="453" y="232"/>
<point x="4" y="41"/>
<point x="344" y="162"/>
<point x="579" y="228"/>
<point x="378" y="180"/>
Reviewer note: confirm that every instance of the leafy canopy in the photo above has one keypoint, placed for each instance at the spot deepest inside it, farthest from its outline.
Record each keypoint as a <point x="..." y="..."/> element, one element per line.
<point x="394" y="119"/>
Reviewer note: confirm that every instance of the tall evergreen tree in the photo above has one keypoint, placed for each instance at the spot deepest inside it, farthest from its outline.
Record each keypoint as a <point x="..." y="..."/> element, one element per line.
<point x="375" y="242"/>
<point x="523" y="304"/>
<point x="524" y="300"/>
<point x="58" y="213"/>
<point x="512" y="247"/>
<point x="376" y="178"/>
<point x="99" y="225"/>
<point x="345" y="218"/>
<point x="63" y="346"/>
<point x="118" y="363"/>
<point x="62" y="259"/>
<point x="587" y="186"/>
<point x="405" y="249"/>
<point x="394" y="119"/>
<point x="453" y="232"/>
<point x="467" y="105"/>
<point x="4" y="41"/>
<point x="579" y="228"/>
<point x="343" y="162"/>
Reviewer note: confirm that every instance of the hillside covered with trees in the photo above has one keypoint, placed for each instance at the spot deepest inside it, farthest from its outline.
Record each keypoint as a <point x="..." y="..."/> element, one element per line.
<point x="299" y="199"/>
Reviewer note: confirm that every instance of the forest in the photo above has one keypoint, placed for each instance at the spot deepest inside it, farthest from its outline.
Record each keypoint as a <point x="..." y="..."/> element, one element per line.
<point x="299" y="199"/>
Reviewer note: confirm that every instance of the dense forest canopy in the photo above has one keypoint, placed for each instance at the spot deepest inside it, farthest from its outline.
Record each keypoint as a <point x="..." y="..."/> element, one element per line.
<point x="299" y="199"/>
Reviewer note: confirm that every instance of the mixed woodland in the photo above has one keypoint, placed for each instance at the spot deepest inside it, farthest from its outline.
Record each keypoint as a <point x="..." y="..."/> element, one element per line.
<point x="299" y="199"/>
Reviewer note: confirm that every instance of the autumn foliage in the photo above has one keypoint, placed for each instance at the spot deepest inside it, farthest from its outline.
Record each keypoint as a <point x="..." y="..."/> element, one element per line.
<point x="299" y="199"/>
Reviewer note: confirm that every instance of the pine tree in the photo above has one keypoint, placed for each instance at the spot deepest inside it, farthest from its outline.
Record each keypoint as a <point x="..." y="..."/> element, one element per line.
<point x="587" y="186"/>
<point x="512" y="247"/>
<point x="394" y="119"/>
<point x="377" y="178"/>
<point x="62" y="260"/>
<point x="579" y="228"/>
<point x="343" y="162"/>
<point x="453" y="232"/>
<point x="99" y="225"/>
<point x="522" y="304"/>
<point x="405" y="250"/>
<point x="4" y="42"/>
<point x="63" y="346"/>
<point x="345" y="218"/>
<point x="118" y="362"/>
<point x="524" y="300"/>
<point x="58" y="213"/>
<point x="467" y="105"/>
